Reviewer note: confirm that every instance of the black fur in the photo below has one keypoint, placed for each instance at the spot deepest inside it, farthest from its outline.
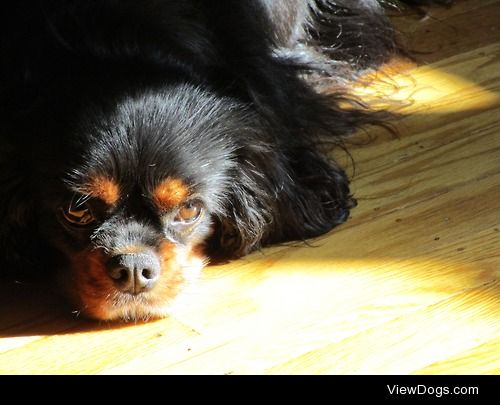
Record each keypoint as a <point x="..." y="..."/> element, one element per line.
<point x="222" y="94"/>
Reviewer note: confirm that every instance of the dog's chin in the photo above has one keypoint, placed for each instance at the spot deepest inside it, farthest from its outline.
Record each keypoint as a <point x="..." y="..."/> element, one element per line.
<point x="128" y="308"/>
<point x="94" y="296"/>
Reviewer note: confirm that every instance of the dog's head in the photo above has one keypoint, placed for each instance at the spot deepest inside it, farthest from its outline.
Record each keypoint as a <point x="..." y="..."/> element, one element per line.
<point x="132" y="194"/>
<point x="128" y="196"/>
<point x="135" y="200"/>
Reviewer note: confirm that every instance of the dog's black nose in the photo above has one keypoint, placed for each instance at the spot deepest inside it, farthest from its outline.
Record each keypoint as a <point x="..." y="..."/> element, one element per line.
<point x="134" y="273"/>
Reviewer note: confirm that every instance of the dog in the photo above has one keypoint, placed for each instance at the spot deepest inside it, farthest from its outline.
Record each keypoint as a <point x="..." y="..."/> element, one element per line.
<point x="140" y="139"/>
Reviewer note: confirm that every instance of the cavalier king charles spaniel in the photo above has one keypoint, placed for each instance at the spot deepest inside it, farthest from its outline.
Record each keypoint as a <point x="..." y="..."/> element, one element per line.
<point x="141" y="139"/>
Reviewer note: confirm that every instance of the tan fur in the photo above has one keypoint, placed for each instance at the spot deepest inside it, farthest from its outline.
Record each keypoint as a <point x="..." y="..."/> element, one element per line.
<point x="170" y="193"/>
<point x="105" y="189"/>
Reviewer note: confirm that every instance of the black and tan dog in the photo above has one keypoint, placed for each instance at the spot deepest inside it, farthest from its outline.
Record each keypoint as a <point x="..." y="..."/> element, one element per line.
<point x="140" y="139"/>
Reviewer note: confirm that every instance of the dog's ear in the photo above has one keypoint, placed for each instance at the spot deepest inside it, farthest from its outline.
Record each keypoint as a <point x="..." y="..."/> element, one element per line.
<point x="288" y="195"/>
<point x="17" y="226"/>
<point x="316" y="199"/>
<point x="249" y="210"/>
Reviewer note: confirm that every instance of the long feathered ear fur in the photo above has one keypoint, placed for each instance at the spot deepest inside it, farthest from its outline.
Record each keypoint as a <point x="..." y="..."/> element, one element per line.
<point x="292" y="191"/>
<point x="19" y="241"/>
<point x="280" y="195"/>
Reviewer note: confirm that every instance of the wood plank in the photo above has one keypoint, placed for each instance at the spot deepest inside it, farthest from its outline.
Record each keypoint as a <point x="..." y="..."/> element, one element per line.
<point x="438" y="332"/>
<point x="444" y="32"/>
<point x="90" y="350"/>
<point x="482" y="359"/>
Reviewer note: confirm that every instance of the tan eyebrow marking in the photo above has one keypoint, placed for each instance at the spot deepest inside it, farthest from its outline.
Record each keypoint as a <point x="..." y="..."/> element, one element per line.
<point x="170" y="193"/>
<point x="105" y="189"/>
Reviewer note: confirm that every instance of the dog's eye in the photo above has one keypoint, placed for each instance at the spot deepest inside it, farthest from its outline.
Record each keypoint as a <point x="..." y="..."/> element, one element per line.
<point x="189" y="212"/>
<point x="78" y="213"/>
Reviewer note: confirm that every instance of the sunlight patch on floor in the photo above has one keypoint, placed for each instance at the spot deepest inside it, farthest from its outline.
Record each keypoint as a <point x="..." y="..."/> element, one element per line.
<point x="436" y="88"/>
<point x="349" y="290"/>
<point x="335" y="316"/>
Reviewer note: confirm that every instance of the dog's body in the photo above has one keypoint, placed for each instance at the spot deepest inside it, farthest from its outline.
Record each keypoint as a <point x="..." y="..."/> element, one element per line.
<point x="139" y="137"/>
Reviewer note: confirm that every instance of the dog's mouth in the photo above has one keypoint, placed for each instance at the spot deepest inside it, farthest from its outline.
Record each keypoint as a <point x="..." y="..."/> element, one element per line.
<point x="96" y="294"/>
<point x="126" y="307"/>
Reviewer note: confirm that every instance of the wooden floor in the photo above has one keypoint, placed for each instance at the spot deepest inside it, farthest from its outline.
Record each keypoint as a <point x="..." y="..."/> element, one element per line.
<point x="411" y="284"/>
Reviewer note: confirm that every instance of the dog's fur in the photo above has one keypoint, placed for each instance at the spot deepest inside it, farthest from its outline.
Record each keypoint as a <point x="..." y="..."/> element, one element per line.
<point x="133" y="109"/>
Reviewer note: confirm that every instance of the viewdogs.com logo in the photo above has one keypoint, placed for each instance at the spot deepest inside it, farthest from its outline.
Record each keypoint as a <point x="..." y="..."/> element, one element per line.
<point x="431" y="390"/>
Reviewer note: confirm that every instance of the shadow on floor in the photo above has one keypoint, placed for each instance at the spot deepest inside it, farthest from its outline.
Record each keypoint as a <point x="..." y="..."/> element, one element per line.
<point x="32" y="308"/>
